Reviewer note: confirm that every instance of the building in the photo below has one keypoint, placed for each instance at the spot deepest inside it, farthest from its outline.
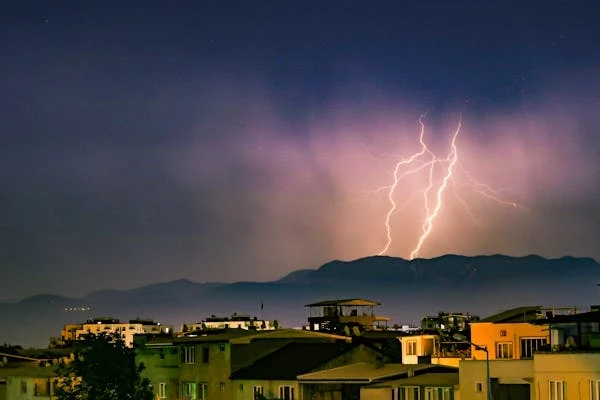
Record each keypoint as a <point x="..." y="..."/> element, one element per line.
<point x="235" y="321"/>
<point x="26" y="382"/>
<point x="202" y="363"/>
<point x="348" y="316"/>
<point x="569" y="367"/>
<point x="275" y="375"/>
<point x="440" y="385"/>
<point x="108" y="325"/>
<point x="350" y="381"/>
<point x="510" y="335"/>
<point x="514" y="338"/>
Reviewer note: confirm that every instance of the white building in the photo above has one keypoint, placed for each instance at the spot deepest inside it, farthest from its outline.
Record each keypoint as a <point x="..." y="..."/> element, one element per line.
<point x="236" y="321"/>
<point x="110" y="326"/>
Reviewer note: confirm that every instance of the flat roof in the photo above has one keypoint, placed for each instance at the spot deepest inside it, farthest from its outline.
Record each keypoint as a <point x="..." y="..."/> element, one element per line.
<point x="345" y="302"/>
<point x="361" y="373"/>
<point x="426" y="379"/>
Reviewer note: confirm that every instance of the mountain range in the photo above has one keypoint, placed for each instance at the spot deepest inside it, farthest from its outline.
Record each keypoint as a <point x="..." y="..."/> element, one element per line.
<point x="407" y="289"/>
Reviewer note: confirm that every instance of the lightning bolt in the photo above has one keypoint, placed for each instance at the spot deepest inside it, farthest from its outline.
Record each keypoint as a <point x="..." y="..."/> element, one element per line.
<point x="431" y="216"/>
<point x="425" y="158"/>
<point x="397" y="179"/>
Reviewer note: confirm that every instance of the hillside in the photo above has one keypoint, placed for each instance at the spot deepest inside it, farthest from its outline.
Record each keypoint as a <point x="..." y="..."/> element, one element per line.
<point x="407" y="289"/>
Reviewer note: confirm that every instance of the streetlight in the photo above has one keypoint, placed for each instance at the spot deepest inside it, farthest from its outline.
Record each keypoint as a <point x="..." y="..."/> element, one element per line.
<point x="463" y="338"/>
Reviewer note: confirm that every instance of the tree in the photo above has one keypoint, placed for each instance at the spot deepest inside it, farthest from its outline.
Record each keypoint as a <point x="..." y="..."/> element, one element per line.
<point x="102" y="368"/>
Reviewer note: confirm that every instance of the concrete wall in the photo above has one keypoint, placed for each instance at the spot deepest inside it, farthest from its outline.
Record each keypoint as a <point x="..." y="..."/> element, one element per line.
<point x="504" y="371"/>
<point x="244" y="389"/>
<point x="375" y="393"/>
<point x="575" y="370"/>
<point x="487" y="334"/>
<point x="161" y="366"/>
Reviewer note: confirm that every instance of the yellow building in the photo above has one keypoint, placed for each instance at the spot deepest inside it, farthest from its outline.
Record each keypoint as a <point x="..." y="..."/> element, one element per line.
<point x="510" y="379"/>
<point x="510" y="335"/>
<point x="564" y="376"/>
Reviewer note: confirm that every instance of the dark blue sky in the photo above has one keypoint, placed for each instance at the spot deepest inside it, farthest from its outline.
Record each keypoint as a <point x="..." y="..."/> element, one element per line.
<point x="103" y="106"/>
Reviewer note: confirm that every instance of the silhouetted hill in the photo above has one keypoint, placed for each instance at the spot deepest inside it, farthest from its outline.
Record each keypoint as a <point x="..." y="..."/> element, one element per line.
<point x="407" y="290"/>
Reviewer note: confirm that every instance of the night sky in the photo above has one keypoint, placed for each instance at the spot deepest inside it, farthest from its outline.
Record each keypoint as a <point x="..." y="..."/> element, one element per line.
<point x="223" y="141"/>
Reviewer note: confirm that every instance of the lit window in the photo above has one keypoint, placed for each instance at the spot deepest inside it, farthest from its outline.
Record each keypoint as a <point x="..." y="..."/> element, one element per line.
<point x="286" y="392"/>
<point x="188" y="354"/>
<point x="438" y="393"/>
<point x="504" y="350"/>
<point x="189" y="391"/>
<point x="594" y="389"/>
<point x="203" y="391"/>
<point x="162" y="390"/>
<point x="557" y="390"/>
<point x="531" y="345"/>
<point x="411" y="348"/>
<point x="409" y="393"/>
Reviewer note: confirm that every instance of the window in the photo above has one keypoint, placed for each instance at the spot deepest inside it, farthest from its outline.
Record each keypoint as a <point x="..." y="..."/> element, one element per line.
<point x="221" y="346"/>
<point x="189" y="391"/>
<point x="478" y="387"/>
<point x="557" y="390"/>
<point x="258" y="392"/>
<point x="531" y="345"/>
<point x="438" y="393"/>
<point x="203" y="391"/>
<point x="286" y="393"/>
<point x="162" y="390"/>
<point x="594" y="389"/>
<point x="41" y="387"/>
<point x="409" y="393"/>
<point x="23" y="387"/>
<point x="205" y="354"/>
<point x="188" y="354"/>
<point x="504" y="350"/>
<point x="222" y="386"/>
<point x="411" y="348"/>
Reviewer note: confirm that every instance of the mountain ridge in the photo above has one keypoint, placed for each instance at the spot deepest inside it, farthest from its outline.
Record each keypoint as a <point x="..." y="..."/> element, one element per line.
<point x="407" y="289"/>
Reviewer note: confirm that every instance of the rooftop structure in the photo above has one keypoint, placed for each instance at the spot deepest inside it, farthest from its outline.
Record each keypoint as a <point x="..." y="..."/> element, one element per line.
<point x="347" y="316"/>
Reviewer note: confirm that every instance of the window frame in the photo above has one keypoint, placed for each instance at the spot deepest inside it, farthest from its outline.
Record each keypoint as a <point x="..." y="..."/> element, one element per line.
<point x="500" y="353"/>
<point x="559" y="390"/>
<point x="290" y="392"/>
<point x="410" y="351"/>
<point x="162" y="390"/>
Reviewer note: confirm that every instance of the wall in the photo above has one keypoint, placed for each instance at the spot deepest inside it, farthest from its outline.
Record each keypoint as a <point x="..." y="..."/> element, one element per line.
<point x="375" y="393"/>
<point x="425" y="346"/>
<point x="244" y="389"/>
<point x="574" y="369"/>
<point x="215" y="373"/>
<point x="505" y="371"/>
<point x="161" y="365"/>
<point x="14" y="389"/>
<point x="487" y="334"/>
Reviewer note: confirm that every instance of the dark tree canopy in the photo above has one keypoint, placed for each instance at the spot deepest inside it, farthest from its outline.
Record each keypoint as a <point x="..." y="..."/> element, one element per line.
<point x="102" y="368"/>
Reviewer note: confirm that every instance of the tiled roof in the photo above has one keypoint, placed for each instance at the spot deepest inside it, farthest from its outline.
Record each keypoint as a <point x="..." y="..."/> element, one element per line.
<point x="292" y="360"/>
<point x="362" y="373"/>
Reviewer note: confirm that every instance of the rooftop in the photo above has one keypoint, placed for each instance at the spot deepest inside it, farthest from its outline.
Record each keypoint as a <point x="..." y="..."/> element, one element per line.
<point x="361" y="373"/>
<point x="28" y="371"/>
<point x="519" y="314"/>
<point x="449" y="378"/>
<point x="345" y="303"/>
<point x="306" y="357"/>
